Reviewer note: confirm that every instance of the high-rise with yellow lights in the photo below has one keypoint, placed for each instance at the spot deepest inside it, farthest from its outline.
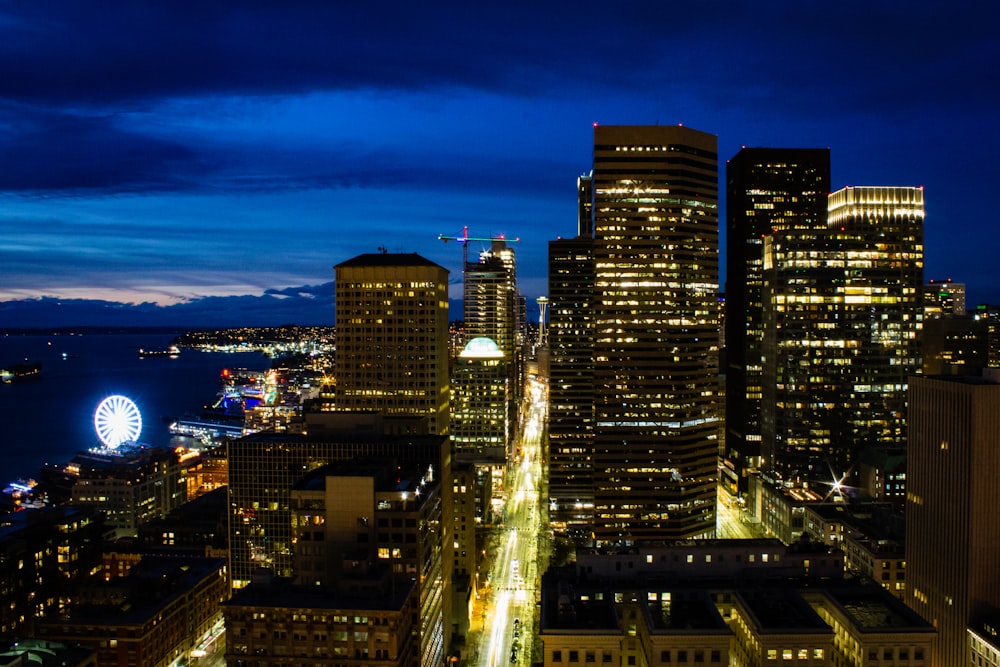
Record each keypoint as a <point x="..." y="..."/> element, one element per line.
<point x="656" y="228"/>
<point x="843" y="315"/>
<point x="392" y="337"/>
<point x="768" y="190"/>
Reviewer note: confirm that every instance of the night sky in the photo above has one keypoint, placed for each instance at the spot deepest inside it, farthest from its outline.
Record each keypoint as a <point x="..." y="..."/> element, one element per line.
<point x="169" y="152"/>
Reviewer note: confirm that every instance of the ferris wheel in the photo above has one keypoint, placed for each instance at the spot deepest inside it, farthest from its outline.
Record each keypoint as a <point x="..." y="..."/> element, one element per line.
<point x="117" y="420"/>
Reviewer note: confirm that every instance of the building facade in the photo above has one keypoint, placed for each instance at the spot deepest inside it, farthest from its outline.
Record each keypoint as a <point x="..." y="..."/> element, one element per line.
<point x="943" y="298"/>
<point x="493" y="309"/>
<point x="132" y="485"/>
<point x="741" y="603"/>
<point x="571" y="382"/>
<point x="952" y="526"/>
<point x="392" y="337"/>
<point x="768" y="190"/>
<point x="655" y="208"/>
<point x="841" y="333"/>
<point x="350" y="518"/>
<point x="154" y="615"/>
<point x="263" y="468"/>
<point x="480" y="425"/>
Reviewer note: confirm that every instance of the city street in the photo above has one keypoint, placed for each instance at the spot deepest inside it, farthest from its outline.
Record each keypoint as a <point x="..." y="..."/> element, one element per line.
<point x="509" y="612"/>
<point x="729" y="521"/>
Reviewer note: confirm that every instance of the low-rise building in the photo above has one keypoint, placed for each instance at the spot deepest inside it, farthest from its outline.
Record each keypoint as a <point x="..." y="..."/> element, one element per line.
<point x="712" y="603"/>
<point x="154" y="615"/>
<point x="276" y="622"/>
<point x="43" y="554"/>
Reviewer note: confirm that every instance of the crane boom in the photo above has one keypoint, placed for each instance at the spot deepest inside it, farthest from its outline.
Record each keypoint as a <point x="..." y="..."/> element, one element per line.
<point x="465" y="238"/>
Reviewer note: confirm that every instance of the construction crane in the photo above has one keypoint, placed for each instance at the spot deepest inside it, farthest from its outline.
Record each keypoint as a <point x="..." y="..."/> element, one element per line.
<point x="465" y="238"/>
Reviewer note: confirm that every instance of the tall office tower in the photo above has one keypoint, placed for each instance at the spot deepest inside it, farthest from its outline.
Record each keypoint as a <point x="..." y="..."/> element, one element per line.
<point x="943" y="298"/>
<point x="952" y="526"/>
<point x="571" y="383"/>
<point x="480" y="429"/>
<point x="841" y="332"/>
<point x="491" y="311"/>
<point x="656" y="232"/>
<point x="767" y="190"/>
<point x="392" y="337"/>
<point x="491" y="296"/>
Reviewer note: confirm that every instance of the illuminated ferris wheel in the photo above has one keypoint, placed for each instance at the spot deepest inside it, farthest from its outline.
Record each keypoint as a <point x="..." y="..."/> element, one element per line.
<point x="117" y="420"/>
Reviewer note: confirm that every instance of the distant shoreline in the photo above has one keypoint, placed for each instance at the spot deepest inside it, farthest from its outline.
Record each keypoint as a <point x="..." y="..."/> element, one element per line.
<point x="96" y="330"/>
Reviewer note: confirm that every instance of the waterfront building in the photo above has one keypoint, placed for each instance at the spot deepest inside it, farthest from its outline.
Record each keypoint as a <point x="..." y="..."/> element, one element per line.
<point x="768" y="190"/>
<point x="655" y="210"/>
<point x="392" y="337"/>
<point x="842" y="330"/>
<point x="952" y="526"/>
<point x="571" y="382"/>
<point x="207" y="472"/>
<point x="265" y="469"/>
<point x="131" y="485"/>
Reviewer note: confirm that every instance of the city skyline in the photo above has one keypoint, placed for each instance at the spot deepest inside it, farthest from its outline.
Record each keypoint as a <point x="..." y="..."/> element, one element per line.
<point x="159" y="153"/>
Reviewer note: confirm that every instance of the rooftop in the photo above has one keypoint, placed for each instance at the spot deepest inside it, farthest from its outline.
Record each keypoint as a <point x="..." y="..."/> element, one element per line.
<point x="685" y="610"/>
<point x="876" y="610"/>
<point x="282" y="593"/>
<point x="388" y="259"/>
<point x="781" y="610"/>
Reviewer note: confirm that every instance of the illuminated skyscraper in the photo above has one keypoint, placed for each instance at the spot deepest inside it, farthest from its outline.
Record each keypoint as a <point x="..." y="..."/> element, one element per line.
<point x="392" y="337"/>
<point x="490" y="297"/>
<point x="571" y="382"/>
<point x="843" y="314"/>
<point x="656" y="233"/>
<point x="491" y="307"/>
<point x="767" y="190"/>
<point x="480" y="399"/>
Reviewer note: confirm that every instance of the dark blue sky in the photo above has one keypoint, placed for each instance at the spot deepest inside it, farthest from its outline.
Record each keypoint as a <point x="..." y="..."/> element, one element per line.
<point x="168" y="151"/>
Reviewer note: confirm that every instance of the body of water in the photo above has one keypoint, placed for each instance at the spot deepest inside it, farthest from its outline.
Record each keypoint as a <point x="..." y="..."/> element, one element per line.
<point x="50" y="419"/>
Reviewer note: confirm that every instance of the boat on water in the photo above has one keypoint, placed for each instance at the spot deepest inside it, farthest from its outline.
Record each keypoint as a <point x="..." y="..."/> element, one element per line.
<point x="21" y="372"/>
<point x="171" y="351"/>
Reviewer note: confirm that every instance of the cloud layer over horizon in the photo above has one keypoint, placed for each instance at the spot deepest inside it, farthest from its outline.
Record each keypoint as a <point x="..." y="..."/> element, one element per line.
<point x="171" y="152"/>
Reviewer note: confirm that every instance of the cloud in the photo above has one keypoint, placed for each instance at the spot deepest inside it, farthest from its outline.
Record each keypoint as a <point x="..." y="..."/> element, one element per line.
<point x="306" y="305"/>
